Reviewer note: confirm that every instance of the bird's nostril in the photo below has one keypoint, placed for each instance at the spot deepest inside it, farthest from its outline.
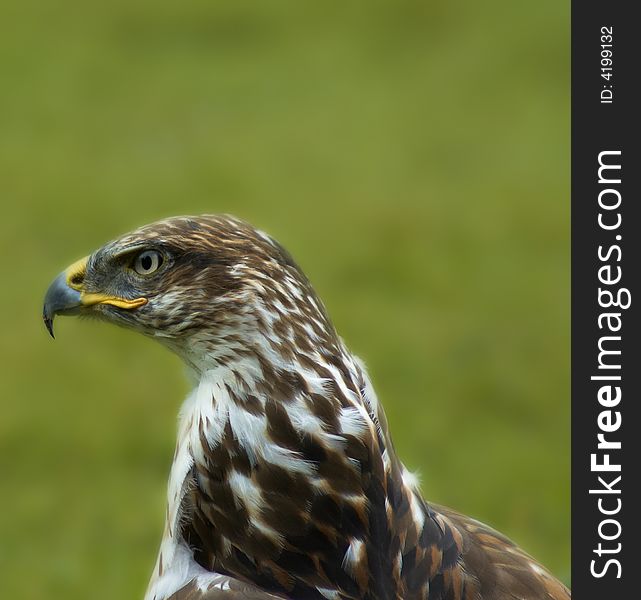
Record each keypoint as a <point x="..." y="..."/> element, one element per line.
<point x="77" y="278"/>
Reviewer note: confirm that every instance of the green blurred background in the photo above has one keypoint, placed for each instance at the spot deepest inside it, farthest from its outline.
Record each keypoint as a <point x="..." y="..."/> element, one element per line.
<point x="413" y="156"/>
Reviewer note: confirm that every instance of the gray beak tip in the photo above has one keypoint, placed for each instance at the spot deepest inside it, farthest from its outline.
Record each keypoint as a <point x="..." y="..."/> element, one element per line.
<point x="49" y="325"/>
<point x="60" y="300"/>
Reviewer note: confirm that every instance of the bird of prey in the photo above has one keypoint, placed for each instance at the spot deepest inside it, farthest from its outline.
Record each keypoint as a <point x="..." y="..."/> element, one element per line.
<point x="285" y="482"/>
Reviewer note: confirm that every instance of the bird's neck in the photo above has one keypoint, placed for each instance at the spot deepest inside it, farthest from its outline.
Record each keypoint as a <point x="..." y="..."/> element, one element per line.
<point x="292" y="450"/>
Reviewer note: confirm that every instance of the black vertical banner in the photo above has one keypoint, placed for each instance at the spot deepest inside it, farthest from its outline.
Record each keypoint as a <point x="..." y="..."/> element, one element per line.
<point x="606" y="300"/>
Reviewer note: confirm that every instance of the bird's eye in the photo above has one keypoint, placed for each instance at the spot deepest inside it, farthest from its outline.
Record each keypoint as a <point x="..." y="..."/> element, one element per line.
<point x="148" y="262"/>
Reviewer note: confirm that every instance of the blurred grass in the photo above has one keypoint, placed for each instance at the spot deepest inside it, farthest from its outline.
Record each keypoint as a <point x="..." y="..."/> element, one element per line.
<point x="412" y="155"/>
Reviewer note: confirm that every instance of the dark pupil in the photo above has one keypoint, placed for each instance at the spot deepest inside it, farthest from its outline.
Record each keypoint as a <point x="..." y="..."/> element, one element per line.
<point x="145" y="262"/>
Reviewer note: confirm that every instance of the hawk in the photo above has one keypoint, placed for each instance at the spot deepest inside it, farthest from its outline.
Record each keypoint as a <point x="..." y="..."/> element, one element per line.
<point x="285" y="482"/>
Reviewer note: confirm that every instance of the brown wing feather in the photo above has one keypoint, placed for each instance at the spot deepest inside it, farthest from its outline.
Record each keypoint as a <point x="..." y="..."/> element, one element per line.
<point x="494" y="568"/>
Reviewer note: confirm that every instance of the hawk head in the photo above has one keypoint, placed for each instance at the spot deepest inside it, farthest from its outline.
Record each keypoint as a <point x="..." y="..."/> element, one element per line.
<point x="204" y="286"/>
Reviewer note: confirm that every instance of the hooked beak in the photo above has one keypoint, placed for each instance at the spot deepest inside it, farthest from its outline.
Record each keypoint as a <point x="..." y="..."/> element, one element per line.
<point x="67" y="295"/>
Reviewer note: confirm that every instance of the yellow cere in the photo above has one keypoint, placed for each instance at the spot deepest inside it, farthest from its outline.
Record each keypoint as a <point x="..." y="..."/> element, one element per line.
<point x="75" y="279"/>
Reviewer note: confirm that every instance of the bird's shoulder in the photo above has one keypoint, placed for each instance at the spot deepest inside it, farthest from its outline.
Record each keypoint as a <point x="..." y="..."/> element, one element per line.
<point x="491" y="567"/>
